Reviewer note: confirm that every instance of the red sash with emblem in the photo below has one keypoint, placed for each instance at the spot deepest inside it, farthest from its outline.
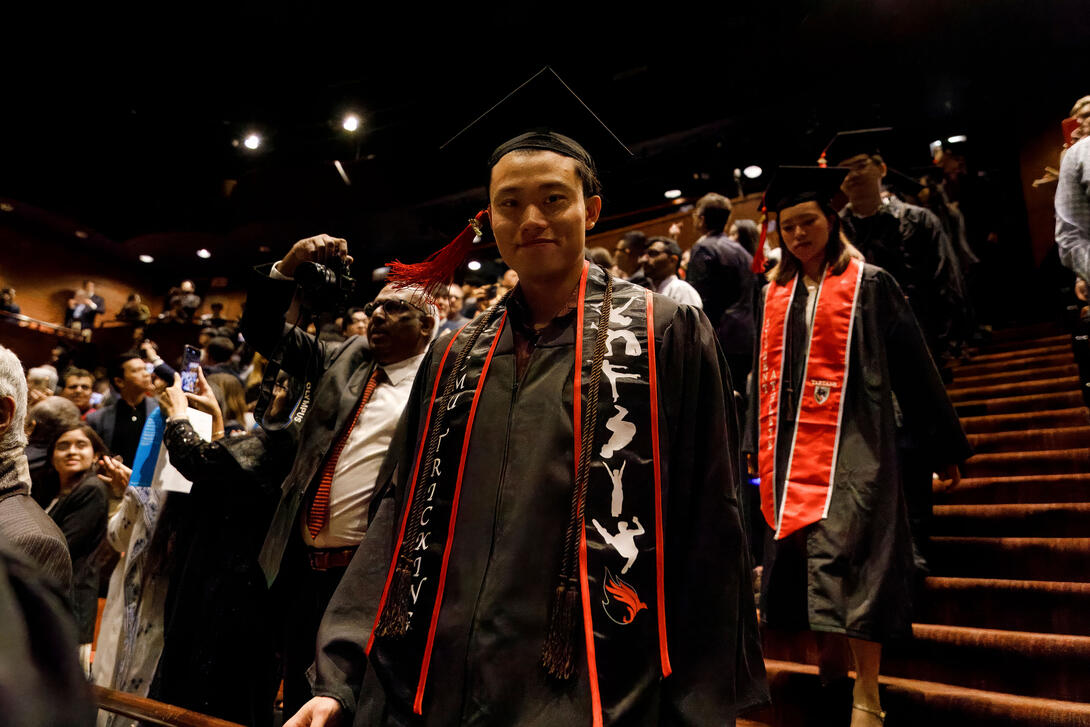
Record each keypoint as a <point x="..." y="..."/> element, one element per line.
<point x="815" y="436"/>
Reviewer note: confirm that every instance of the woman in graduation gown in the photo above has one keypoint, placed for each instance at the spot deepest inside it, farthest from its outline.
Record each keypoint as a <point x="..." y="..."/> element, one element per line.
<point x="840" y="365"/>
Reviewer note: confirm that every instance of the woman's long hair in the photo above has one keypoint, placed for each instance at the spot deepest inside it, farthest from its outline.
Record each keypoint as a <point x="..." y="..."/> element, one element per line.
<point x="748" y="235"/>
<point x="838" y="251"/>
<point x="230" y="395"/>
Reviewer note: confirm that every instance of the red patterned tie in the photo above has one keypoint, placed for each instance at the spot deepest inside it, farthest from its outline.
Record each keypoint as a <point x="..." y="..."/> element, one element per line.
<point x="318" y="515"/>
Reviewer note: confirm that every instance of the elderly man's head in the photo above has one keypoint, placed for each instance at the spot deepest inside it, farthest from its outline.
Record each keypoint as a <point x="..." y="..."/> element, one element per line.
<point x="48" y="418"/>
<point x="12" y="401"/>
<point x="401" y="322"/>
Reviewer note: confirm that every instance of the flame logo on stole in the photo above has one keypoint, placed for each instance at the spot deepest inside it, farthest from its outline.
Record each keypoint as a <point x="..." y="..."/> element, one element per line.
<point x="620" y="600"/>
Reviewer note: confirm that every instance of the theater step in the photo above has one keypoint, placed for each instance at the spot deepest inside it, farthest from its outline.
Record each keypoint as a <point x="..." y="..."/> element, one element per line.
<point x="1005" y="464"/>
<point x="1008" y="356"/>
<point x="1063" y="358"/>
<point x="1045" y="520"/>
<point x="1024" y="333"/>
<point x="1018" y="388"/>
<point x="1029" y="440"/>
<point x="1015" y="404"/>
<point x="1047" y="607"/>
<point x="797" y="694"/>
<point x="1075" y="416"/>
<point x="1022" y="345"/>
<point x="1014" y="375"/>
<point x="1027" y="488"/>
<point x="1029" y="559"/>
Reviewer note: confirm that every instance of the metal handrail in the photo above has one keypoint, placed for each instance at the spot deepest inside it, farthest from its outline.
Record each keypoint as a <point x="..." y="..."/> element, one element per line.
<point x="40" y="325"/>
<point x="153" y="712"/>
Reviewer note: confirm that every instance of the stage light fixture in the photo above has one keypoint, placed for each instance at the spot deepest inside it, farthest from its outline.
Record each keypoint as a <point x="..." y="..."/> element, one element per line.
<point x="146" y="259"/>
<point x="252" y="141"/>
<point x="752" y="171"/>
<point x="203" y="253"/>
<point x="474" y="265"/>
<point x="958" y="139"/>
<point x="672" y="193"/>
<point x="351" y="122"/>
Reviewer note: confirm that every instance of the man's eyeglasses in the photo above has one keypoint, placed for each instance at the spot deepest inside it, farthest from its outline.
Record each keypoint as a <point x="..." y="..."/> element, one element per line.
<point x="391" y="306"/>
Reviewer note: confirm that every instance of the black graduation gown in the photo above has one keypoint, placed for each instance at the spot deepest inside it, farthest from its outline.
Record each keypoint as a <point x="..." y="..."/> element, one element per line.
<point x="486" y="663"/>
<point x="852" y="572"/>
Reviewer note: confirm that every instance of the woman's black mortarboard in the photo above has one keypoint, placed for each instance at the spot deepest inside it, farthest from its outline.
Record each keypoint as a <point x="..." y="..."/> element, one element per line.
<point x="902" y="183"/>
<point x="541" y="113"/>
<point x="795" y="185"/>
<point x="848" y="144"/>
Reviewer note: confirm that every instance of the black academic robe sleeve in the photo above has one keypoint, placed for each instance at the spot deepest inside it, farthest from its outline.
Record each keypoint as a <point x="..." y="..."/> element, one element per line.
<point x="82" y="518"/>
<point x="929" y="418"/>
<point x="709" y="598"/>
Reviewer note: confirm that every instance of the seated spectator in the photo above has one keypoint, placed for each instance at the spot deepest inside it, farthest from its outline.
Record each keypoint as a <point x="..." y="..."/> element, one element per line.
<point x="216" y="358"/>
<point x="231" y="398"/>
<point x="183" y="302"/>
<point x="77" y="387"/>
<point x="454" y="318"/>
<point x="23" y="523"/>
<point x="134" y="311"/>
<point x="7" y="301"/>
<point x="41" y="382"/>
<point x="215" y="318"/>
<point x="84" y="306"/>
<point x="44" y="423"/>
<point x="80" y="511"/>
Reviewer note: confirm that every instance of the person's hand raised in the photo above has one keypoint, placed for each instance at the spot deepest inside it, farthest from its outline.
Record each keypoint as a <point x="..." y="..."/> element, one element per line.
<point x="173" y="400"/>
<point x="318" y="249"/>
<point x="115" y="474"/>
<point x="318" y="712"/>
<point x="203" y="399"/>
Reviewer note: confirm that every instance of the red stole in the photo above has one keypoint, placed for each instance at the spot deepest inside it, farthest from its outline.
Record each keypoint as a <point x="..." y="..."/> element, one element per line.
<point x="811" y="462"/>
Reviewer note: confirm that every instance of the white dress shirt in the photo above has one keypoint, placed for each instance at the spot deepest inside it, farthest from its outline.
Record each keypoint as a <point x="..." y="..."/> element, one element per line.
<point x="360" y="460"/>
<point x="678" y="290"/>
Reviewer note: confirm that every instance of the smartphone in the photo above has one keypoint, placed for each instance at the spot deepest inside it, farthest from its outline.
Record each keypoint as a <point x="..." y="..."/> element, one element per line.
<point x="191" y="362"/>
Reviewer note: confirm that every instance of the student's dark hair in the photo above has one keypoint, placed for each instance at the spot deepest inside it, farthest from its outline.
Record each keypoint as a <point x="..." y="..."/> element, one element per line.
<point x="838" y="251"/>
<point x="672" y="248"/>
<point x="219" y="349"/>
<point x="715" y="209"/>
<point x="73" y="371"/>
<point x="749" y="235"/>
<point x="116" y="368"/>
<point x="636" y="241"/>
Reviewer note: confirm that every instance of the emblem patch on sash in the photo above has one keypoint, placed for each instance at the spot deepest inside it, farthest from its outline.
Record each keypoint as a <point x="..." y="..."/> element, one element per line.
<point x="620" y="600"/>
<point x="822" y="389"/>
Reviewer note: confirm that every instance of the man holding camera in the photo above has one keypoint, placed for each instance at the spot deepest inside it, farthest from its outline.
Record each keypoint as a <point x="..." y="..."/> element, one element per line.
<point x="352" y="398"/>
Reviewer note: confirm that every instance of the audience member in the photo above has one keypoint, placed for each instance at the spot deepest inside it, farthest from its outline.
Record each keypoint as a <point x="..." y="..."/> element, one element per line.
<point x="134" y="311"/>
<point x="215" y="318"/>
<point x="77" y="387"/>
<point x="83" y="306"/>
<point x="358" y="397"/>
<point x="660" y="262"/>
<point x="7" y="301"/>
<point x="745" y="233"/>
<point x="1073" y="208"/>
<point x="44" y="423"/>
<point x="81" y="511"/>
<point x="627" y="258"/>
<point x="354" y="323"/>
<point x="600" y="257"/>
<point x="41" y="383"/>
<point x="182" y="302"/>
<point x="720" y="270"/>
<point x="216" y="357"/>
<point x="23" y="523"/>
<point x="231" y="399"/>
<point x="454" y="319"/>
<point x="120" y="423"/>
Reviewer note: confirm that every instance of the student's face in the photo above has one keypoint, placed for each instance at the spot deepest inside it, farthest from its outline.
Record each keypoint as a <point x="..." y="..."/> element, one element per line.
<point x="539" y="215"/>
<point x="73" y="453"/>
<point x="865" y="175"/>
<point x="77" y="389"/>
<point x="804" y="229"/>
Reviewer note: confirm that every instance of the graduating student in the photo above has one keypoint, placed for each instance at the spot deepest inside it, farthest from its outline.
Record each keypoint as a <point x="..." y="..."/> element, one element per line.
<point x="559" y="542"/>
<point x="837" y="343"/>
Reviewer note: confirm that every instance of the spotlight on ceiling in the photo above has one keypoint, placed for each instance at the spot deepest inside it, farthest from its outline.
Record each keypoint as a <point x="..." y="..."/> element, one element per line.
<point x="252" y="141"/>
<point x="146" y="259"/>
<point x="81" y="234"/>
<point x="474" y="265"/>
<point x="752" y="171"/>
<point x="351" y="122"/>
<point x="203" y="253"/>
<point x="672" y="193"/>
<point x="958" y="139"/>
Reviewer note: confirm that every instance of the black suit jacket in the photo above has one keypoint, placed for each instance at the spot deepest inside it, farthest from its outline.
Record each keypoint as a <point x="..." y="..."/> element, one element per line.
<point x="340" y="372"/>
<point x="103" y="420"/>
<point x="81" y="516"/>
<point x="24" y="523"/>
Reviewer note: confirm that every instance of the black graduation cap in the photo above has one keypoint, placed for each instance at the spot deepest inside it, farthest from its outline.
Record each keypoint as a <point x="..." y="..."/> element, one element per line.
<point x="795" y="185"/>
<point x="848" y="144"/>
<point x="542" y="104"/>
<point x="902" y="183"/>
<point x="543" y="112"/>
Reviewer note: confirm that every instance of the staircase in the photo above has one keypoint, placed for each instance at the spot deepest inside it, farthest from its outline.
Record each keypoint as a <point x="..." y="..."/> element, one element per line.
<point x="1003" y="635"/>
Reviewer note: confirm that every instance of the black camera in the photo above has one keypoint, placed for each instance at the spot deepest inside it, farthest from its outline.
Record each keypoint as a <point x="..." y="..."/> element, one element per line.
<point x="325" y="287"/>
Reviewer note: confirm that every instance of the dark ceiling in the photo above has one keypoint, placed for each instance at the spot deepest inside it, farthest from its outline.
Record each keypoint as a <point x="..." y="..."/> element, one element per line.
<point x="125" y="127"/>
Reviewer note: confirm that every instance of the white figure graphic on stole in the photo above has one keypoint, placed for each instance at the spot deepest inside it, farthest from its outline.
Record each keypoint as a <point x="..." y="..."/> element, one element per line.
<point x="623" y="432"/>
<point x="631" y="345"/>
<point x="624" y="542"/>
<point x="617" y="498"/>
<point x="614" y="373"/>
<point x="615" y="316"/>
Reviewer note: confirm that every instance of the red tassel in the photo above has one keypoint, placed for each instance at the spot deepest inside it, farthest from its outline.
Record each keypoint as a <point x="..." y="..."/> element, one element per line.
<point x="438" y="270"/>
<point x="822" y="161"/>
<point x="759" y="253"/>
